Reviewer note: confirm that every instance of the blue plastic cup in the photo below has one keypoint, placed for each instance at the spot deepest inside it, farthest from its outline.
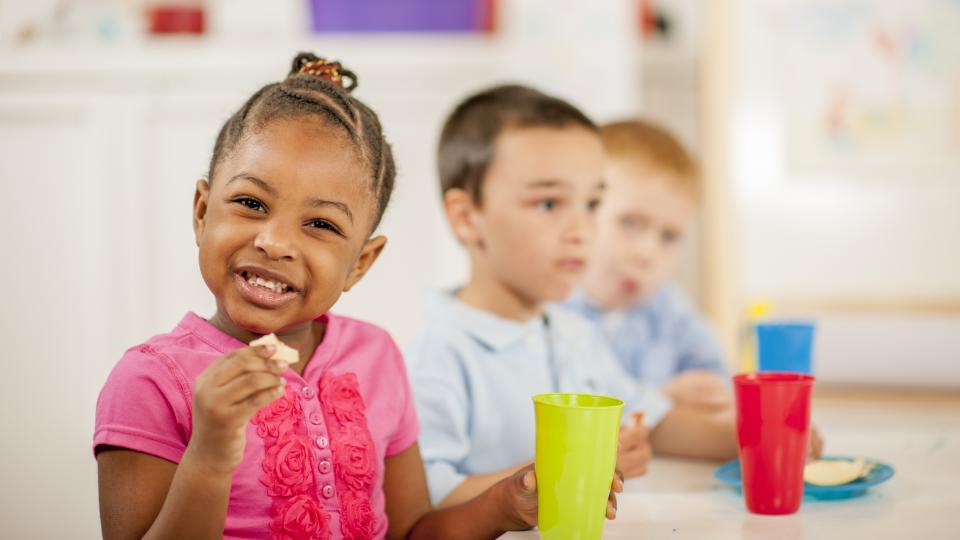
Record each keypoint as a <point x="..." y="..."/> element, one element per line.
<point x="785" y="347"/>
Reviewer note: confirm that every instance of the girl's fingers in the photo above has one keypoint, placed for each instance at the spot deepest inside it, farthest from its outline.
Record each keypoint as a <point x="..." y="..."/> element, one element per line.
<point x="529" y="482"/>
<point x="245" y="386"/>
<point x="261" y="399"/>
<point x="617" y="485"/>
<point x="612" y="506"/>
<point x="248" y="360"/>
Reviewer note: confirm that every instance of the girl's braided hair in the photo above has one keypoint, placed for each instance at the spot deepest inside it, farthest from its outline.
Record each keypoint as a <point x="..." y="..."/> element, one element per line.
<point x="322" y="88"/>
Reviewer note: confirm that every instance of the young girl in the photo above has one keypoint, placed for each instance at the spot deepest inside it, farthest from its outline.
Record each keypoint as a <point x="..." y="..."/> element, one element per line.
<point x="199" y="435"/>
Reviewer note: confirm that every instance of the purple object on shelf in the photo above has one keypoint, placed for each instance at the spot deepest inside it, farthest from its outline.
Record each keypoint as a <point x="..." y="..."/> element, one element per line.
<point x="402" y="15"/>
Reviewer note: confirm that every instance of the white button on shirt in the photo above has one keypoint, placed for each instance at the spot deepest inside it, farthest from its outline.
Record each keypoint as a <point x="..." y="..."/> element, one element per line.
<point x="474" y="374"/>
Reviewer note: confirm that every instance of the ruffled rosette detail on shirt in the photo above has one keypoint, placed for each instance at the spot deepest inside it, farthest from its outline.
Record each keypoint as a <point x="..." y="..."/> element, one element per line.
<point x="288" y="464"/>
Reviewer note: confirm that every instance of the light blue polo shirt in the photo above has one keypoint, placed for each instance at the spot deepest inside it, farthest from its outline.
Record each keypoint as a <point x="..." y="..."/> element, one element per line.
<point x="474" y="374"/>
<point x="659" y="339"/>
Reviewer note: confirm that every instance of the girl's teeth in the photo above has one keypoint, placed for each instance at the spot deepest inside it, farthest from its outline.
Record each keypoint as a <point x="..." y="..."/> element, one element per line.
<point x="266" y="284"/>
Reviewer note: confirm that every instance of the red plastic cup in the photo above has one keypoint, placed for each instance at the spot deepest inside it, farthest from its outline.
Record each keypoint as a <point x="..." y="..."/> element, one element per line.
<point x="773" y="426"/>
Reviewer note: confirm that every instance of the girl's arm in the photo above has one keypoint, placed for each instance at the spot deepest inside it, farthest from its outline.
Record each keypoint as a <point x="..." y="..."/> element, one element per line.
<point x="474" y="485"/>
<point x="510" y="504"/>
<point x="142" y="496"/>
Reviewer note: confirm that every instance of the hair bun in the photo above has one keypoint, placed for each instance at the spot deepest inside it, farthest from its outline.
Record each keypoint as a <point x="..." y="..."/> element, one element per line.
<point x="311" y="64"/>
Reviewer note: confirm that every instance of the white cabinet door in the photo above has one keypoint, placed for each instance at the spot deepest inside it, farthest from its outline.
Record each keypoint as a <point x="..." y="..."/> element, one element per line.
<point x="50" y="313"/>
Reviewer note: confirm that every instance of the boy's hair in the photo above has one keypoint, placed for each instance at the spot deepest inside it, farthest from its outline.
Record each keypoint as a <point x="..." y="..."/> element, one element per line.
<point x="315" y="87"/>
<point x="650" y="143"/>
<point x="470" y="133"/>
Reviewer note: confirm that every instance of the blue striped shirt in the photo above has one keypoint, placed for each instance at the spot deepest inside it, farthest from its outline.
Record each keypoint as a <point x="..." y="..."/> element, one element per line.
<point x="659" y="339"/>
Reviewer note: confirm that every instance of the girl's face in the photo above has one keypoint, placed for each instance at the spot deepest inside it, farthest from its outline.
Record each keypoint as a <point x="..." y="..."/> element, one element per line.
<point x="283" y="228"/>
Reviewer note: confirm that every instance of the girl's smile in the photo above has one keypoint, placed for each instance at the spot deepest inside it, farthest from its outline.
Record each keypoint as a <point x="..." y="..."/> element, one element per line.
<point x="264" y="288"/>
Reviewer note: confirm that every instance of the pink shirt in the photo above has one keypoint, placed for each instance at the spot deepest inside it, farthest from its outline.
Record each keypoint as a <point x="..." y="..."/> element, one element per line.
<point x="313" y="461"/>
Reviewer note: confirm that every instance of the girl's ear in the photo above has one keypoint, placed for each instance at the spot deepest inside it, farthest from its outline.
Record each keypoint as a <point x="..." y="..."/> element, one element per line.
<point x="461" y="212"/>
<point x="368" y="255"/>
<point x="200" y="208"/>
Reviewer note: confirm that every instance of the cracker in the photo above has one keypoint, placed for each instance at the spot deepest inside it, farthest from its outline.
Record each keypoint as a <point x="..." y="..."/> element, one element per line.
<point x="834" y="472"/>
<point x="283" y="353"/>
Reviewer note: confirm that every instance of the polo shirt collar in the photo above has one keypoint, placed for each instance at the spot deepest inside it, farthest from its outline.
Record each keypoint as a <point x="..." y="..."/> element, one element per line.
<point x="494" y="332"/>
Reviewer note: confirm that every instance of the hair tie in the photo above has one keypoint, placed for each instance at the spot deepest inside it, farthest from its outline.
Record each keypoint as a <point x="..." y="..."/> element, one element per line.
<point x="329" y="70"/>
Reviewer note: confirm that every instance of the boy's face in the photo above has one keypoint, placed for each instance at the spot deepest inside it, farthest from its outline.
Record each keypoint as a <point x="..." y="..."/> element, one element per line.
<point x="532" y="230"/>
<point x="644" y="216"/>
<point x="290" y="205"/>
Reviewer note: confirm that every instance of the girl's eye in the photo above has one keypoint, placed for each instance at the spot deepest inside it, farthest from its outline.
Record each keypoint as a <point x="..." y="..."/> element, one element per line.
<point x="323" y="224"/>
<point x="251" y="203"/>
<point x="547" y="204"/>
<point x="669" y="237"/>
<point x="593" y="204"/>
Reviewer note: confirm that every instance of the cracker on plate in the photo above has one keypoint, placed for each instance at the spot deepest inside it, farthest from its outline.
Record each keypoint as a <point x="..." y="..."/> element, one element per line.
<point x="834" y="472"/>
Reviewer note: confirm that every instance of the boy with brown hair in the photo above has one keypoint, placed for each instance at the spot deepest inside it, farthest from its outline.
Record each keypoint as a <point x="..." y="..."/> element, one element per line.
<point x="522" y="174"/>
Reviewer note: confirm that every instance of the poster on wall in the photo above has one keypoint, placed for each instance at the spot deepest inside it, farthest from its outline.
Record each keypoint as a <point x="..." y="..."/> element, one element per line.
<point x="881" y="87"/>
<point x="846" y="150"/>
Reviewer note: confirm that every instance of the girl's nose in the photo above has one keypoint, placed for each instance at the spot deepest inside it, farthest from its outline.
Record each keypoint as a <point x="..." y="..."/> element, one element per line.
<point x="275" y="243"/>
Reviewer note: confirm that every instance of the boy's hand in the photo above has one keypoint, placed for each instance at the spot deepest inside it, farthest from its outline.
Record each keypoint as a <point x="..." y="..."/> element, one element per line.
<point x="815" y="445"/>
<point x="701" y="389"/>
<point x="519" y="498"/>
<point x="634" y="450"/>
<point x="226" y="395"/>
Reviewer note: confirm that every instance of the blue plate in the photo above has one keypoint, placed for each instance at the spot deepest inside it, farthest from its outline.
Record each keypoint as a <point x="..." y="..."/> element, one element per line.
<point x="729" y="473"/>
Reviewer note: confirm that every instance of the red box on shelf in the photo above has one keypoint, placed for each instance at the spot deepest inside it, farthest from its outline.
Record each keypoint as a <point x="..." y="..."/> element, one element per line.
<point x="176" y="19"/>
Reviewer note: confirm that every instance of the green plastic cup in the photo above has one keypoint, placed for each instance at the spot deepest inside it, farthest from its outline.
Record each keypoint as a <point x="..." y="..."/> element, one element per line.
<point x="576" y="458"/>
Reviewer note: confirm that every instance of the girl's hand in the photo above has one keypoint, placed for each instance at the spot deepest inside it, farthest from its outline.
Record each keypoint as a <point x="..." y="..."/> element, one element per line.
<point x="615" y="487"/>
<point x="519" y="498"/>
<point x="226" y="395"/>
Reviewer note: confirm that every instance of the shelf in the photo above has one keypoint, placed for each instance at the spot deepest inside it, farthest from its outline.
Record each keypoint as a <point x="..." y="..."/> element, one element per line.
<point x="205" y="53"/>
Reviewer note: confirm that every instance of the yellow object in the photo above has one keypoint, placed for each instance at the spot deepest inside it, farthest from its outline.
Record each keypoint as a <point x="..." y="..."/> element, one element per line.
<point x="576" y="456"/>
<point x="284" y="353"/>
<point x="834" y="472"/>
<point x="748" y="360"/>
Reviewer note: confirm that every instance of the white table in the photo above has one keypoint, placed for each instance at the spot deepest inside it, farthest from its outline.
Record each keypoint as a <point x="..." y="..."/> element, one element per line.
<point x="918" y="434"/>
